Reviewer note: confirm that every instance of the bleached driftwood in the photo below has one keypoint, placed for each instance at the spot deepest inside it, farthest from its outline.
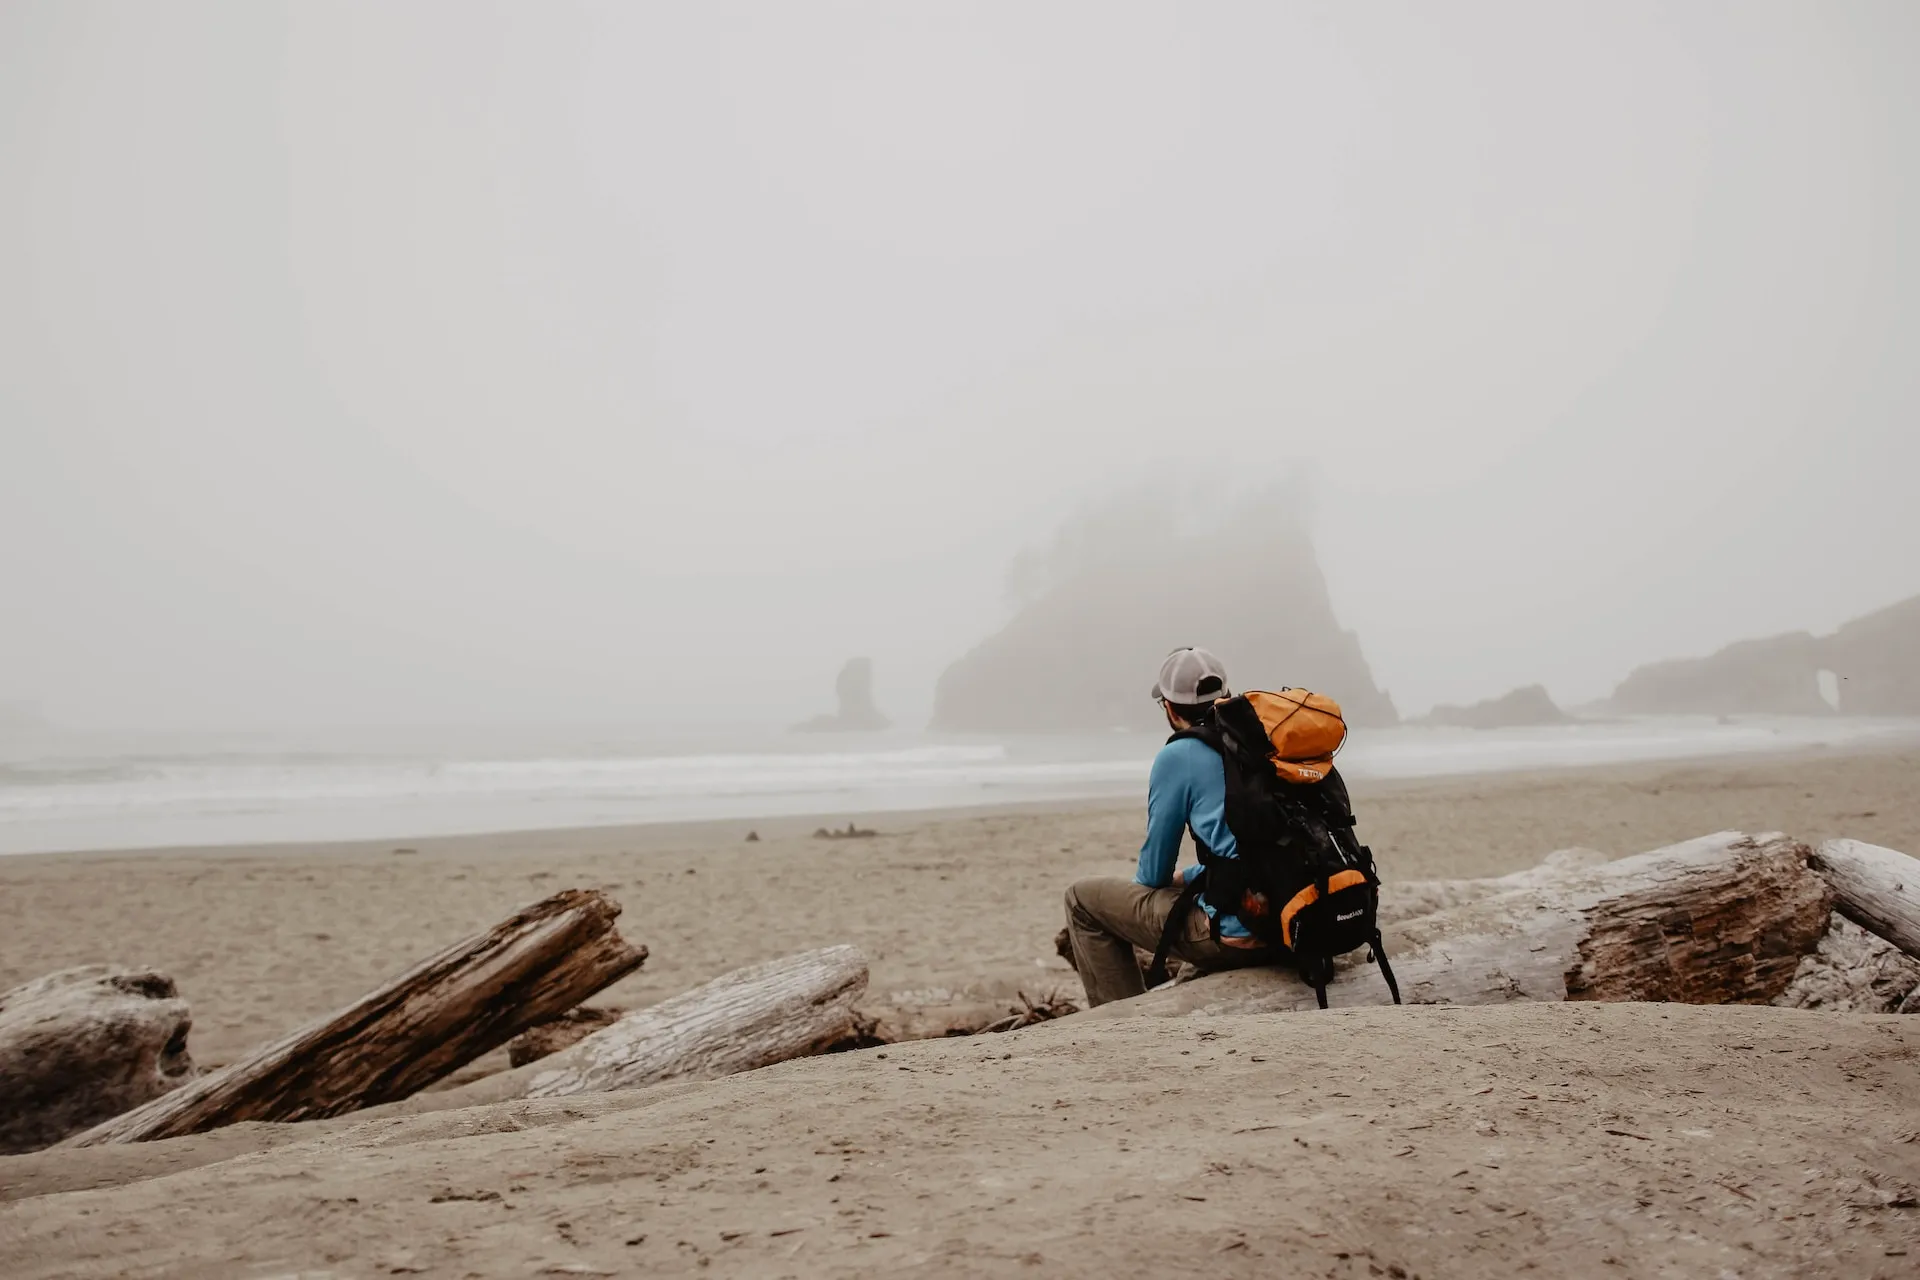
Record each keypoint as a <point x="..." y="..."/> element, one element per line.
<point x="1853" y="971"/>
<point x="749" y="1018"/>
<point x="442" y="1013"/>
<point x="1402" y="900"/>
<point x="1876" y="888"/>
<point x="81" y="1045"/>
<point x="1724" y="919"/>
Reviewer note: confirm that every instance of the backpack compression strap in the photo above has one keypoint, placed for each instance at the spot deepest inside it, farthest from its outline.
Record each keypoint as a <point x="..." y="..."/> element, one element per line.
<point x="1386" y="970"/>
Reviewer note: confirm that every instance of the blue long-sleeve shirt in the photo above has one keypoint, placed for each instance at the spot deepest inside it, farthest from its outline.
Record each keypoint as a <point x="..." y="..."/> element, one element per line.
<point x="1187" y="789"/>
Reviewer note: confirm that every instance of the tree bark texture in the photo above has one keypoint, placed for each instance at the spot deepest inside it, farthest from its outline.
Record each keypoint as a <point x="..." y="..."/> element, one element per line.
<point x="81" y="1045"/>
<point x="442" y="1013"/>
<point x="1876" y="888"/>
<point x="1725" y="919"/>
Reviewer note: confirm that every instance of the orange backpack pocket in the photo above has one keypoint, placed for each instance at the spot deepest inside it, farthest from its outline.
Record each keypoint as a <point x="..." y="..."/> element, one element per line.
<point x="1305" y="729"/>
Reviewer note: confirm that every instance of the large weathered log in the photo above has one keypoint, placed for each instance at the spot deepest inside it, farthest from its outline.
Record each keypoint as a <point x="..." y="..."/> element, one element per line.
<point x="1876" y="888"/>
<point x="81" y="1045"/>
<point x="1724" y="919"/>
<point x="1851" y="970"/>
<point x="445" y="1011"/>
<point x="749" y="1018"/>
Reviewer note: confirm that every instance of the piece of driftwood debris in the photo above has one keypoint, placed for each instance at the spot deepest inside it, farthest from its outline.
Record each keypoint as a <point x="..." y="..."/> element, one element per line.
<point x="749" y="1018"/>
<point x="1876" y="888"/>
<point x="544" y="1039"/>
<point x="445" y="1011"/>
<point x="82" y="1045"/>
<point x="1052" y="1004"/>
<point x="1853" y="971"/>
<point x="1724" y="919"/>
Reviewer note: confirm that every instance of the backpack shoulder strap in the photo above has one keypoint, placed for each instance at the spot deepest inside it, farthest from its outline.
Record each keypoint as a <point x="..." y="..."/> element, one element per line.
<point x="1208" y="733"/>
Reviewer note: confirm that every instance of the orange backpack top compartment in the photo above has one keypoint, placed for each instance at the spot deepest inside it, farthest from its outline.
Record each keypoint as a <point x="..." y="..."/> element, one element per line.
<point x="1305" y="729"/>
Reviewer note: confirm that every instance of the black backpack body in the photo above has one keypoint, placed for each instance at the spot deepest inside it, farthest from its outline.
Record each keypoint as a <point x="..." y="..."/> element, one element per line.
<point x="1300" y="880"/>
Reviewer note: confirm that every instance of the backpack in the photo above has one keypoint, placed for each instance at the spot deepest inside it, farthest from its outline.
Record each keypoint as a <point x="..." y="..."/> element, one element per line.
<point x="1301" y="881"/>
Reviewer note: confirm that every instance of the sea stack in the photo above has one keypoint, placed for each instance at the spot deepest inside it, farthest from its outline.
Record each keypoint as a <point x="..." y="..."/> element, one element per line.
<point x="1123" y="588"/>
<point x="854" y="690"/>
<point x="1530" y="705"/>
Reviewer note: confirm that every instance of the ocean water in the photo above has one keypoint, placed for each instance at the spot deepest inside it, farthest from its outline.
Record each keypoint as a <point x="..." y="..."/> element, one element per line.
<point x="74" y="794"/>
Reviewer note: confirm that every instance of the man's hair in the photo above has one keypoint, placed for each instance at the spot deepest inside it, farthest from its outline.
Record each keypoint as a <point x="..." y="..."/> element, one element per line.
<point x="1199" y="712"/>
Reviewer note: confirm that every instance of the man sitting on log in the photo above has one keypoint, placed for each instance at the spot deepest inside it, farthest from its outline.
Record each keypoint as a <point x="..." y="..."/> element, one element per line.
<point x="1107" y="917"/>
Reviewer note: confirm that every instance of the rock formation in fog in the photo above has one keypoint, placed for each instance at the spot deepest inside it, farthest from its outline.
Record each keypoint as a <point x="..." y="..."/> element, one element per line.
<point x="854" y="688"/>
<point x="1778" y="676"/>
<point x="1527" y="706"/>
<point x="1875" y="663"/>
<point x="1123" y="586"/>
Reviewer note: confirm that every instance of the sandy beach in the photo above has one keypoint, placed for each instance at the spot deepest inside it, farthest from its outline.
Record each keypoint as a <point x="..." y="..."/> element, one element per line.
<point x="1466" y="1142"/>
<point x="261" y="940"/>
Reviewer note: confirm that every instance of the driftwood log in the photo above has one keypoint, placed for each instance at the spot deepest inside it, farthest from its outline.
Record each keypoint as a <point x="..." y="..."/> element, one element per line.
<point x="1725" y="919"/>
<point x="442" y="1013"/>
<point x="81" y="1045"/>
<point x="752" y="1017"/>
<point x="1876" y="888"/>
<point x="749" y="1018"/>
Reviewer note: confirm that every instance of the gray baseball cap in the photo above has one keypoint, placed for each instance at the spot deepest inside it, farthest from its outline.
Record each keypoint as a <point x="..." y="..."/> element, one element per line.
<point x="1182" y="675"/>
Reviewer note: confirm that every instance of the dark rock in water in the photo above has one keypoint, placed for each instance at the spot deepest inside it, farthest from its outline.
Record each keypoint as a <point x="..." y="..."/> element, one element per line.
<point x="81" y="1046"/>
<point x="1874" y="666"/>
<point x="854" y="688"/>
<point x="1527" y="706"/>
<point x="1123" y="587"/>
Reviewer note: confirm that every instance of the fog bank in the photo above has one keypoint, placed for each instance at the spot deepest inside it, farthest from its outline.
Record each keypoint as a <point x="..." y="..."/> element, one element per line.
<point x="377" y="364"/>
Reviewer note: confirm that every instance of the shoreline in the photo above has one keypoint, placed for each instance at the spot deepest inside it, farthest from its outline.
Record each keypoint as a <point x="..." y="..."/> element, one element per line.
<point x="647" y="836"/>
<point x="126" y="805"/>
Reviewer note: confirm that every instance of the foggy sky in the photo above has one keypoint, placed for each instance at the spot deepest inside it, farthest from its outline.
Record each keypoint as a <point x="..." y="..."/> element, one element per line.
<point x="444" y="362"/>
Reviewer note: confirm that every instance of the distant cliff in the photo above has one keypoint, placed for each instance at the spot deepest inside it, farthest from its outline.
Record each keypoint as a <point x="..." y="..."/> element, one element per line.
<point x="1775" y="676"/>
<point x="1121" y="588"/>
<point x="853" y="689"/>
<point x="1875" y="662"/>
